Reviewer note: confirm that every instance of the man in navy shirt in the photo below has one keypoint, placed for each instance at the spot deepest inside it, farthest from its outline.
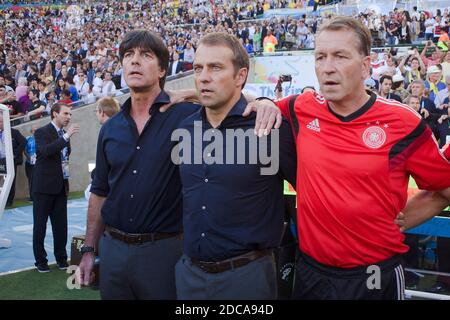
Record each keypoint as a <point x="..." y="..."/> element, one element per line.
<point x="135" y="204"/>
<point x="233" y="205"/>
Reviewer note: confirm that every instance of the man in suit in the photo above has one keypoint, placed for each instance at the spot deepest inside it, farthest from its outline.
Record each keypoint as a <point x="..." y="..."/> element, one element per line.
<point x="176" y="66"/>
<point x="18" y="145"/>
<point x="50" y="185"/>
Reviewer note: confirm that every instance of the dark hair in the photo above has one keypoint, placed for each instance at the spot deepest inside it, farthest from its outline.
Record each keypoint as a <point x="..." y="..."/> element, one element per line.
<point x="240" y="56"/>
<point x="66" y="92"/>
<point x="57" y="108"/>
<point x="354" y="25"/>
<point x="35" y="92"/>
<point x="308" y="87"/>
<point x="147" y="40"/>
<point x="384" y="77"/>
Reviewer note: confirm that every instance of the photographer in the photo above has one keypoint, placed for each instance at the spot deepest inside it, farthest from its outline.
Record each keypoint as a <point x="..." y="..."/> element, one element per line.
<point x="279" y="88"/>
<point x="412" y="66"/>
<point x="436" y="54"/>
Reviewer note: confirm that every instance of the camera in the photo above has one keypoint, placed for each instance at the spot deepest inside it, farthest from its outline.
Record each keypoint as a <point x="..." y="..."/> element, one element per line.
<point x="282" y="78"/>
<point x="285" y="78"/>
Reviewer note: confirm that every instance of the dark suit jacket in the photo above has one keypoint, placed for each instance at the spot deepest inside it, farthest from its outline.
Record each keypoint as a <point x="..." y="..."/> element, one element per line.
<point x="18" y="145"/>
<point x="178" y="68"/>
<point x="47" y="173"/>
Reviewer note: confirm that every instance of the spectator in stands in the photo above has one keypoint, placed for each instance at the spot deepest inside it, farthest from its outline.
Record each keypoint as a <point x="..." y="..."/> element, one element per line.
<point x="188" y="59"/>
<point x="83" y="86"/>
<point x="98" y="82"/>
<point x="8" y="99"/>
<point x="176" y="66"/>
<point x="442" y="94"/>
<point x="60" y="87"/>
<point x="65" y="97"/>
<point x="446" y="65"/>
<point x="108" y="86"/>
<point x="414" y="29"/>
<point x="42" y="88"/>
<point x="385" y="88"/>
<point x="270" y="41"/>
<point x="47" y="75"/>
<point x="70" y="85"/>
<point x="429" y="27"/>
<point x="416" y="69"/>
<point x="22" y="88"/>
<point x="398" y="86"/>
<point x="436" y="54"/>
<point x="92" y="71"/>
<point x="434" y="82"/>
<point x="37" y="107"/>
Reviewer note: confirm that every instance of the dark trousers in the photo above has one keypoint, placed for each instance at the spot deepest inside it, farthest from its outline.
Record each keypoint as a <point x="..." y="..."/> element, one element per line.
<point x="256" y="280"/>
<point x="411" y="258"/>
<point x="315" y="281"/>
<point x="29" y="172"/>
<point x="12" y="192"/>
<point x="55" y="207"/>
<point x="143" y="271"/>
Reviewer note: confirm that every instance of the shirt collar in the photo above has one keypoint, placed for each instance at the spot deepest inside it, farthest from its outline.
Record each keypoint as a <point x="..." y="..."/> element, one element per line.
<point x="237" y="110"/>
<point x="56" y="127"/>
<point x="161" y="99"/>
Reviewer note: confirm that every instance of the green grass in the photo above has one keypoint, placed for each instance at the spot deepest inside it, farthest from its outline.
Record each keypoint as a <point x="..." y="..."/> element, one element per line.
<point x="32" y="285"/>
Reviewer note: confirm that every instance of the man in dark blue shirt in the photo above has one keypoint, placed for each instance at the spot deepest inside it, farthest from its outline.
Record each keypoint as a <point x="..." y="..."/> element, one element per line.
<point x="232" y="182"/>
<point x="135" y="204"/>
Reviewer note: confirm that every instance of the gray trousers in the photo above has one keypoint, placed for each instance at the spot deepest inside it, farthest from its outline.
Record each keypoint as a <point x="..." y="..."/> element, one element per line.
<point x="144" y="271"/>
<point x="254" y="281"/>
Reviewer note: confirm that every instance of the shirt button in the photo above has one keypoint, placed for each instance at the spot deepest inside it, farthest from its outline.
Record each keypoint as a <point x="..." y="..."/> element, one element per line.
<point x="209" y="154"/>
<point x="134" y="171"/>
<point x="131" y="196"/>
<point x="206" y="180"/>
<point x="139" y="148"/>
<point x="202" y="234"/>
<point x="212" y="131"/>
<point x="131" y="220"/>
<point x="203" y="207"/>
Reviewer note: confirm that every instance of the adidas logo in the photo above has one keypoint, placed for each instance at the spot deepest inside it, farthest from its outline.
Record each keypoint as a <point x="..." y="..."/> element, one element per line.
<point x="314" y="125"/>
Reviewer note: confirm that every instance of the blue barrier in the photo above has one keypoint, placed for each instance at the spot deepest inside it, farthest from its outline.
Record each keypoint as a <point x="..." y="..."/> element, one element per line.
<point x="438" y="227"/>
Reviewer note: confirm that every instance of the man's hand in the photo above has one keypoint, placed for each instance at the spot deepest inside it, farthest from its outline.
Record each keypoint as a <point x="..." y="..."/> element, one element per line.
<point x="442" y="118"/>
<point x="179" y="96"/>
<point x="74" y="128"/>
<point x="84" y="274"/>
<point x="424" y="113"/>
<point x="400" y="221"/>
<point x="268" y="116"/>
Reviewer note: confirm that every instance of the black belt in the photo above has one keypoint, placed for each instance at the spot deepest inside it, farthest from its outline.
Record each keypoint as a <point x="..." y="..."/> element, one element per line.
<point x="228" y="264"/>
<point x="138" y="238"/>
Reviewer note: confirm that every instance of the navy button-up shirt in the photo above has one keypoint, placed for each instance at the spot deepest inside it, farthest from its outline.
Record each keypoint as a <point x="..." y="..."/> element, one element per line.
<point x="135" y="172"/>
<point x="230" y="209"/>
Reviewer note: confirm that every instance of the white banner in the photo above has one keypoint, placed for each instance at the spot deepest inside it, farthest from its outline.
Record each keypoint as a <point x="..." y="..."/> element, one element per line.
<point x="300" y="66"/>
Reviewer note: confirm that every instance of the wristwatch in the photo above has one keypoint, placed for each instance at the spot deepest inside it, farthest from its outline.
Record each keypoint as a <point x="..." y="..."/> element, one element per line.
<point x="85" y="249"/>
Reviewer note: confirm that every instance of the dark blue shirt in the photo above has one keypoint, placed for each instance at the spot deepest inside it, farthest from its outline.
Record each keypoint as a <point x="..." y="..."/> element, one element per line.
<point x="135" y="172"/>
<point x="230" y="209"/>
